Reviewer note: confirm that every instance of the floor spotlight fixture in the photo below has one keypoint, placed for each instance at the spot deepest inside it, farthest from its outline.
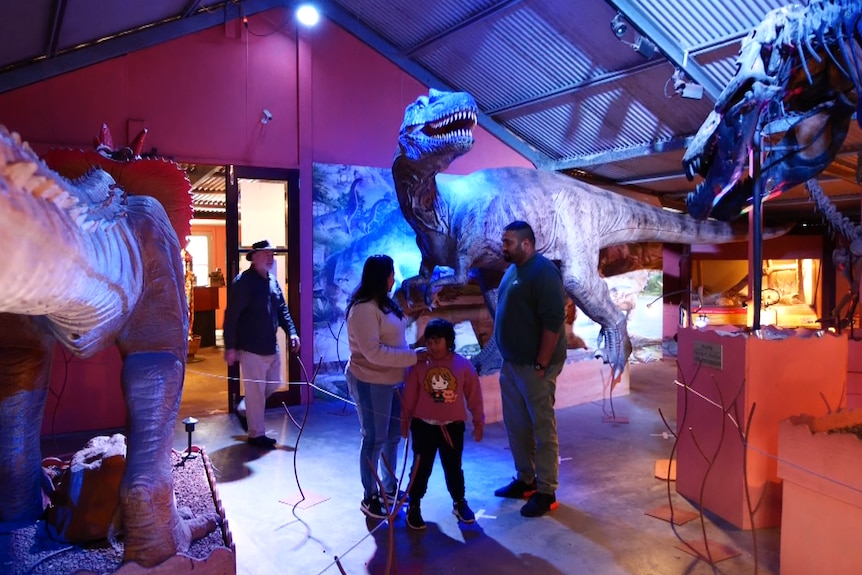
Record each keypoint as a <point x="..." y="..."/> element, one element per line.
<point x="190" y="427"/>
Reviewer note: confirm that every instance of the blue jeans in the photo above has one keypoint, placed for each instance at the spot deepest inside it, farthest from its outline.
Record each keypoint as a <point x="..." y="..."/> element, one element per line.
<point x="379" y="408"/>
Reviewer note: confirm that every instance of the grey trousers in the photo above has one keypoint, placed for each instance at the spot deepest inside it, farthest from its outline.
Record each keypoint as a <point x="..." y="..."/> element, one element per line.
<point x="531" y="423"/>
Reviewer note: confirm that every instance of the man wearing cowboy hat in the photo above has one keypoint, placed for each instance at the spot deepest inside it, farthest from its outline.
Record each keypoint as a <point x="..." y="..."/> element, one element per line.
<point x="255" y="310"/>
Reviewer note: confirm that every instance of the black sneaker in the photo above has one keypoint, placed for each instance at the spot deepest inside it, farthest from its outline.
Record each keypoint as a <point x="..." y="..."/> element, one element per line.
<point x="372" y="508"/>
<point x="462" y="511"/>
<point x="517" y="489"/>
<point x="262" y="441"/>
<point x="539" y="504"/>
<point x="414" y="518"/>
<point x="398" y="497"/>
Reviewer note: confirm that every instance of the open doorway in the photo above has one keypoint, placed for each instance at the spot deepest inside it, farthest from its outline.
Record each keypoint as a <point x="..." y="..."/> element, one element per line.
<point x="236" y="206"/>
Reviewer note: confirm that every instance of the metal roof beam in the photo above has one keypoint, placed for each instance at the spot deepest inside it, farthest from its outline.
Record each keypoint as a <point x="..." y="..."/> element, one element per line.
<point x="365" y="34"/>
<point x="635" y="14"/>
<point x="190" y="8"/>
<point x="56" y="27"/>
<point x="607" y="78"/>
<point x="122" y="44"/>
<point x="621" y="154"/>
<point x="471" y="21"/>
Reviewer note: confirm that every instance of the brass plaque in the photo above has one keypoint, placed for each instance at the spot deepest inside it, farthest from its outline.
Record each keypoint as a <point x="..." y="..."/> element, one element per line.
<point x="708" y="354"/>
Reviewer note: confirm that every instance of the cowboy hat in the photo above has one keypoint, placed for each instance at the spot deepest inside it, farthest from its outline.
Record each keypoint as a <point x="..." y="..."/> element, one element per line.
<point x="258" y="247"/>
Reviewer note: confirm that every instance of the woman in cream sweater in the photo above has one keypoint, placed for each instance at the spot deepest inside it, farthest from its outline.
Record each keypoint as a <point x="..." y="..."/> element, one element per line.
<point x="379" y="358"/>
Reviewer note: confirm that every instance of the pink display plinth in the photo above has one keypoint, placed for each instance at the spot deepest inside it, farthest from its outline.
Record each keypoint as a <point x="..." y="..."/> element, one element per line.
<point x="802" y="373"/>
<point x="582" y="380"/>
<point x="822" y="513"/>
<point x="854" y="374"/>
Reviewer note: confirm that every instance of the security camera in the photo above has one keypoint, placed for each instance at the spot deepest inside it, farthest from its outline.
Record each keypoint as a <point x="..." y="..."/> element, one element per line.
<point x="267" y="117"/>
<point x="619" y="26"/>
<point x="685" y="86"/>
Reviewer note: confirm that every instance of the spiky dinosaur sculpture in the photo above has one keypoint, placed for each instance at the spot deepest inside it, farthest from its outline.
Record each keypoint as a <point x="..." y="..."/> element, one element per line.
<point x="459" y="221"/>
<point x="797" y="82"/>
<point x="89" y="266"/>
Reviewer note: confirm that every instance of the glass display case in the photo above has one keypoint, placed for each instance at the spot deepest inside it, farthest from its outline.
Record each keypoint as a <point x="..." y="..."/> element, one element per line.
<point x="790" y="297"/>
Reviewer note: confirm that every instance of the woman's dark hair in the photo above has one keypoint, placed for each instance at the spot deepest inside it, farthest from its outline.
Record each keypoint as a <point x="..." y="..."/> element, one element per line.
<point x="374" y="285"/>
<point x="443" y="329"/>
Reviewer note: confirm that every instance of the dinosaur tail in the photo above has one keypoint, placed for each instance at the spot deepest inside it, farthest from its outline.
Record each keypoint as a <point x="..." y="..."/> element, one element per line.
<point x="647" y="223"/>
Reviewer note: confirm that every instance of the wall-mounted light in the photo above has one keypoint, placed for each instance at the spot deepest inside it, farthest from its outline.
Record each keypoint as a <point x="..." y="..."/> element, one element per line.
<point x="265" y="117"/>
<point x="619" y="26"/>
<point x="307" y="15"/>
<point x="642" y="45"/>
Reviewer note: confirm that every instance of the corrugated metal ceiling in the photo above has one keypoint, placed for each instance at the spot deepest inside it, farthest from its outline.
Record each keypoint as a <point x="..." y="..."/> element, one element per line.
<point x="550" y="76"/>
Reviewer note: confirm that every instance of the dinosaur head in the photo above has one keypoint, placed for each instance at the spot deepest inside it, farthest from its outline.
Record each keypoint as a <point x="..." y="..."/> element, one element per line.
<point x="791" y="98"/>
<point x="438" y="127"/>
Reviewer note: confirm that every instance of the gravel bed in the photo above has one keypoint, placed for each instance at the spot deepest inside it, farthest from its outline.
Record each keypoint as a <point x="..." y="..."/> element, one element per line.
<point x="29" y="550"/>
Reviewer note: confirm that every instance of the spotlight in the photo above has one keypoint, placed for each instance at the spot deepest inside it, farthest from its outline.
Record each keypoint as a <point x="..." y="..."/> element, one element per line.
<point x="190" y="427"/>
<point x="307" y="15"/>
<point x="619" y="26"/>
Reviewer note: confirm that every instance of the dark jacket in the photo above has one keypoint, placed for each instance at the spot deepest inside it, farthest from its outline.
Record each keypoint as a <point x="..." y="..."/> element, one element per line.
<point x="255" y="309"/>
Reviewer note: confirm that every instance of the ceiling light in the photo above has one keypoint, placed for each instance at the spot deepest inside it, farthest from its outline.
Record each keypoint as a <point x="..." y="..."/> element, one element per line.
<point x="307" y="15"/>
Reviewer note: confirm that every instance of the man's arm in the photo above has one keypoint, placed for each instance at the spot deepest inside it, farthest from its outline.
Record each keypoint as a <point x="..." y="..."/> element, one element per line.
<point x="235" y="305"/>
<point x="285" y="320"/>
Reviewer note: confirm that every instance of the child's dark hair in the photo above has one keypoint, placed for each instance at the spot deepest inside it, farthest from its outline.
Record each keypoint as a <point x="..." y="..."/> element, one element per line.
<point x="440" y="328"/>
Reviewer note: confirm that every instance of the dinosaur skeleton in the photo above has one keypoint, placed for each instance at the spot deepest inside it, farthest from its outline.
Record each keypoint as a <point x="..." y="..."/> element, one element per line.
<point x="847" y="258"/>
<point x="459" y="220"/>
<point x="89" y="266"/>
<point x="796" y="85"/>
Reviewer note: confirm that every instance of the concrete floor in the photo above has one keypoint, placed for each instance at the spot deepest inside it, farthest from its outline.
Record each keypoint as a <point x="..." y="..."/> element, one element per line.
<point x="606" y="476"/>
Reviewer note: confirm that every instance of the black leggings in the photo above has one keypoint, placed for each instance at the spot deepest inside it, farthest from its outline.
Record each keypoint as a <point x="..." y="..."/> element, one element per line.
<point x="427" y="440"/>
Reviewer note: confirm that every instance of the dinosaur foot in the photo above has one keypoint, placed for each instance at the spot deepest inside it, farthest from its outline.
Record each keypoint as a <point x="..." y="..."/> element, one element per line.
<point x="617" y="348"/>
<point x="155" y="529"/>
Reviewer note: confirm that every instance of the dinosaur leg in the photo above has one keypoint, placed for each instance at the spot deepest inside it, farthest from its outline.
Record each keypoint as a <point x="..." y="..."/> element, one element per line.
<point x="152" y="383"/>
<point x="590" y="293"/>
<point x="25" y="366"/>
<point x="489" y="359"/>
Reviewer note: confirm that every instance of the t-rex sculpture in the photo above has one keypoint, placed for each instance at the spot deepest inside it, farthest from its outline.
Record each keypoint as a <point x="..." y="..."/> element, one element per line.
<point x="89" y="266"/>
<point x="459" y="221"/>
<point x="797" y="84"/>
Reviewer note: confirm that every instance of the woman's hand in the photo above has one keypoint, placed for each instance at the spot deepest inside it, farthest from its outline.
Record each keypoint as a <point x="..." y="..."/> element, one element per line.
<point x="421" y="354"/>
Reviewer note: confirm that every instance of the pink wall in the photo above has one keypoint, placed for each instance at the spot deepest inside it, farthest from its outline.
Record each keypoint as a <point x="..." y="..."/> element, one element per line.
<point x="333" y="100"/>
